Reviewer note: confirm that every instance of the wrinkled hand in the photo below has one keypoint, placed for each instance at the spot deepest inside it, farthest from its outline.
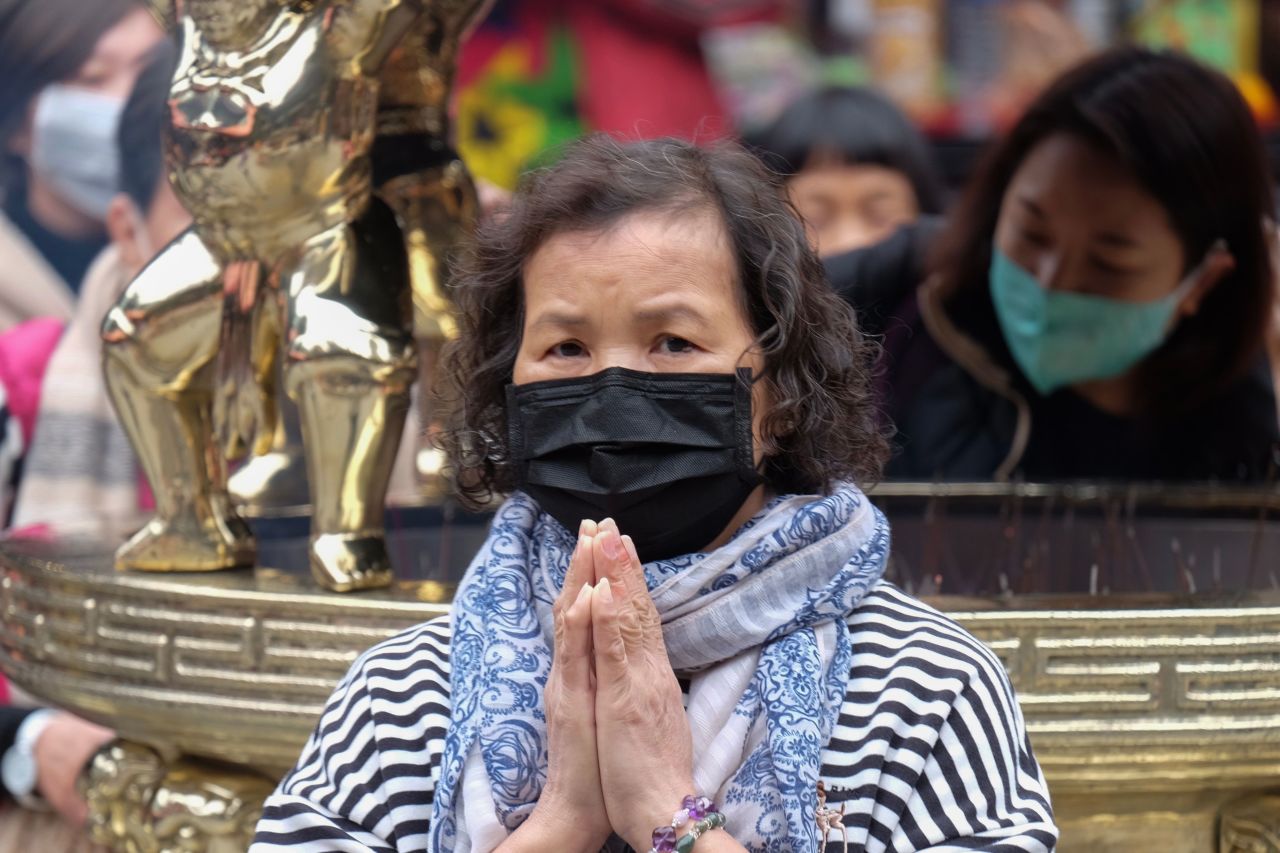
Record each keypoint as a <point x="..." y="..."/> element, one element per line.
<point x="646" y="749"/>
<point x="61" y="752"/>
<point x="571" y="811"/>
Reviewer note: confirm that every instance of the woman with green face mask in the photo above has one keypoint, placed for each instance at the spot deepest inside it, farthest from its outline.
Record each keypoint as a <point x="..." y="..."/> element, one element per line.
<point x="1097" y="305"/>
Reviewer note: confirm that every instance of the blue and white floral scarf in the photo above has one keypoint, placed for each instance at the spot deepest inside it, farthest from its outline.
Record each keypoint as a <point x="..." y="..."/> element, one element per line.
<point x="759" y="623"/>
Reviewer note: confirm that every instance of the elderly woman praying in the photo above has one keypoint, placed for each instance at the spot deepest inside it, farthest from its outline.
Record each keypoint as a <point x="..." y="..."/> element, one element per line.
<point x="677" y="635"/>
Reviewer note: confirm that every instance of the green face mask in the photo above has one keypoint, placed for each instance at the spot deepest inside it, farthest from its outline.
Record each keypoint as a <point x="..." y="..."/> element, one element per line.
<point x="1059" y="339"/>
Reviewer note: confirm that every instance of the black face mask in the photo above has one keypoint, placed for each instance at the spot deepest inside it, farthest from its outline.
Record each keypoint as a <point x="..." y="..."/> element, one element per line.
<point x="666" y="455"/>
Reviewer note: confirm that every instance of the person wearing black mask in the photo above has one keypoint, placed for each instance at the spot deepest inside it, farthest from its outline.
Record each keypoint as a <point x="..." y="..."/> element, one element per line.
<point x="646" y="335"/>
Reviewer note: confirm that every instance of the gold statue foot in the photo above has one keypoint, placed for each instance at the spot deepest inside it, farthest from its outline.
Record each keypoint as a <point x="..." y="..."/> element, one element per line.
<point x="344" y="562"/>
<point x="185" y="545"/>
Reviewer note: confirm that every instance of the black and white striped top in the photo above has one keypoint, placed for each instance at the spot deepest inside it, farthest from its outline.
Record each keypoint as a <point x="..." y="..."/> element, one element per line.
<point x="930" y="752"/>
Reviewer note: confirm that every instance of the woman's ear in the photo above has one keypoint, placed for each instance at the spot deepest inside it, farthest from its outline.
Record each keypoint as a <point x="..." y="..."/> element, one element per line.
<point x="1218" y="264"/>
<point x="124" y="227"/>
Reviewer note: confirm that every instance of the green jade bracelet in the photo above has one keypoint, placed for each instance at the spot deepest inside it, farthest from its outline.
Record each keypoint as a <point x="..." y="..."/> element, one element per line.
<point x="715" y="820"/>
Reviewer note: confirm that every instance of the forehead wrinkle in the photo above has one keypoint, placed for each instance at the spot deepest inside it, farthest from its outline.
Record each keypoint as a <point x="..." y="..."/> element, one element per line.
<point x="699" y="214"/>
<point x="629" y="225"/>
<point x="578" y="259"/>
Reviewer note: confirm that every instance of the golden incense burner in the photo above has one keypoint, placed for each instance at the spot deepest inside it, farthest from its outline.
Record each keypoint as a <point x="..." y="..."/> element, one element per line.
<point x="1151" y="717"/>
<point x="1154" y="713"/>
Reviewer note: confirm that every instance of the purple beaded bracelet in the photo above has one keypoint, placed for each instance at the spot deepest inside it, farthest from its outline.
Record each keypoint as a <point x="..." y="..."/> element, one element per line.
<point x="691" y="808"/>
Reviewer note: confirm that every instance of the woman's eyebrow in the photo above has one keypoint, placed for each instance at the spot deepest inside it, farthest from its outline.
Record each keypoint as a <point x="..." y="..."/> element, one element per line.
<point x="1117" y="239"/>
<point x="876" y="196"/>
<point x="658" y="316"/>
<point x="558" y="319"/>
<point x="1032" y="208"/>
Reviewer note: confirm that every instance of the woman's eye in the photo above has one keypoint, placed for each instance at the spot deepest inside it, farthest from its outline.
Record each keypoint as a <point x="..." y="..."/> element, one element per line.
<point x="1117" y="271"/>
<point x="568" y="349"/>
<point x="676" y="345"/>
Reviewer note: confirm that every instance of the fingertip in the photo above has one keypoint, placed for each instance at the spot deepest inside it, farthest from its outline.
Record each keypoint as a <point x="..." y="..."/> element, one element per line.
<point x="575" y="640"/>
<point x="609" y="524"/>
<point x="589" y="527"/>
<point x="577" y="617"/>
<point x="611" y="545"/>
<point x="606" y="591"/>
<point x="577" y="570"/>
<point x="602" y="562"/>
<point x="631" y="549"/>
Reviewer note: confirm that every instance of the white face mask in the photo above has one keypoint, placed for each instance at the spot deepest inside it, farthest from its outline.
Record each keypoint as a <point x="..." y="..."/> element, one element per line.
<point x="74" y="148"/>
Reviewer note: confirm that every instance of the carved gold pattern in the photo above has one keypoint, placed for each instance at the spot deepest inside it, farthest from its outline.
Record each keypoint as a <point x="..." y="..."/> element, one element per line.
<point x="1161" y="696"/>
<point x="232" y="666"/>
<point x="1147" y="716"/>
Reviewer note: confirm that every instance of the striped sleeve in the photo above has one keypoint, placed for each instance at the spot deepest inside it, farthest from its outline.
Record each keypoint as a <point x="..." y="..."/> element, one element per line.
<point x="932" y="735"/>
<point x="365" y="779"/>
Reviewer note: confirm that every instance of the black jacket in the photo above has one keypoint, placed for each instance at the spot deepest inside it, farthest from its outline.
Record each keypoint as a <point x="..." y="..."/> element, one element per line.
<point x="964" y="412"/>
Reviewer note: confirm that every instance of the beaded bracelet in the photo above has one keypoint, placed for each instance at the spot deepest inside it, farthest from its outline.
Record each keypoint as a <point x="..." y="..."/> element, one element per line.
<point x="715" y="820"/>
<point x="691" y="808"/>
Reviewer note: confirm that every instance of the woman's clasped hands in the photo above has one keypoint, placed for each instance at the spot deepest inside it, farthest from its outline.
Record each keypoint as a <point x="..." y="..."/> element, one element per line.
<point x="620" y="753"/>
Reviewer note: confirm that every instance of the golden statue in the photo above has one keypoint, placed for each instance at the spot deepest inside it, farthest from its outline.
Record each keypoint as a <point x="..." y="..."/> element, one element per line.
<point x="280" y="123"/>
<point x="420" y="176"/>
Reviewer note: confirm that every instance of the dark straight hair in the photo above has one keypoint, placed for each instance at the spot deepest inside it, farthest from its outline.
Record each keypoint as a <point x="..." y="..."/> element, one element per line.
<point x="1187" y="136"/>
<point x="46" y="41"/>
<point x="852" y="126"/>
<point x="142" y="126"/>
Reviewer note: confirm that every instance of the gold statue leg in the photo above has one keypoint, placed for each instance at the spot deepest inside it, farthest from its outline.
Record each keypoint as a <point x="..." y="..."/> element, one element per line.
<point x="160" y="340"/>
<point x="349" y="363"/>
